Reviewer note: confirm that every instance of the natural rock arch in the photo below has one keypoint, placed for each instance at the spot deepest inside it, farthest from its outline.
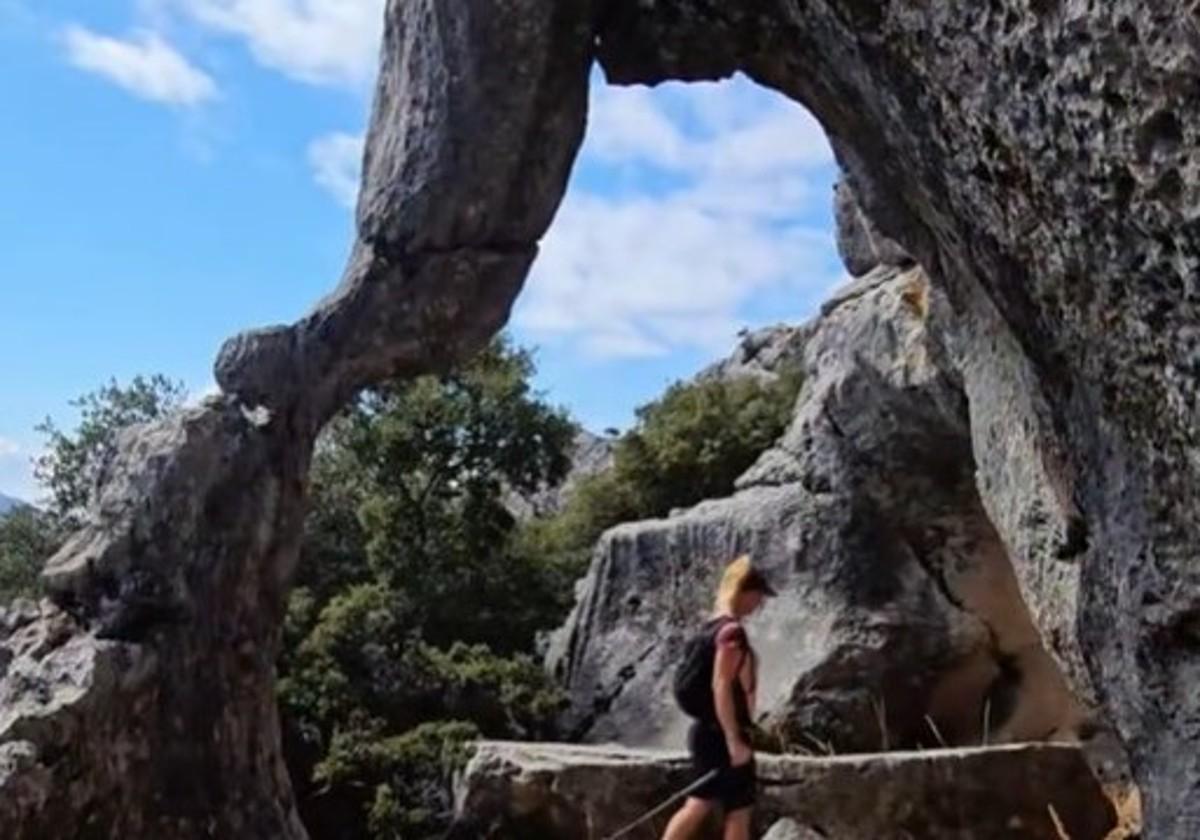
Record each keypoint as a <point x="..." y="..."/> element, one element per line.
<point x="1036" y="157"/>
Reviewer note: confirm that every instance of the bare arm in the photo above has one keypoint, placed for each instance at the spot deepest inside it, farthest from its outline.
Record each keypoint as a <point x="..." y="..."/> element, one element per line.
<point x="749" y="680"/>
<point x="731" y="656"/>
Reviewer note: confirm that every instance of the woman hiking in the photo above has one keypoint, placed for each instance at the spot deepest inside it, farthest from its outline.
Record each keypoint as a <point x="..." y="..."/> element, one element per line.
<point x="715" y="684"/>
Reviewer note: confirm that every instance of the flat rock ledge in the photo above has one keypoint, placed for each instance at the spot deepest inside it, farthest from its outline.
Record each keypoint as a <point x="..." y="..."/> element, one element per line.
<point x="572" y="792"/>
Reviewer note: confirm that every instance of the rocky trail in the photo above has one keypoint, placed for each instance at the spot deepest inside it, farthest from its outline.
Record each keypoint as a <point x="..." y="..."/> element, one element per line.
<point x="1017" y="792"/>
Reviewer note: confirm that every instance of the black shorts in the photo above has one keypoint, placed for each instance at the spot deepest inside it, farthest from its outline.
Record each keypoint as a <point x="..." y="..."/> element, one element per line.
<point x="734" y="787"/>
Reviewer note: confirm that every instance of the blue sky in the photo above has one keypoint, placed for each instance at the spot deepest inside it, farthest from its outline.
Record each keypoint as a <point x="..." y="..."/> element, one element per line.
<point x="177" y="170"/>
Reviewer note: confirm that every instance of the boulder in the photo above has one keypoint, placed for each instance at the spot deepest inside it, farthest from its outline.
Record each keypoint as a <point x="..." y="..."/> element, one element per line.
<point x="900" y="621"/>
<point x="590" y="455"/>
<point x="789" y="829"/>
<point x="763" y="353"/>
<point x="558" y="792"/>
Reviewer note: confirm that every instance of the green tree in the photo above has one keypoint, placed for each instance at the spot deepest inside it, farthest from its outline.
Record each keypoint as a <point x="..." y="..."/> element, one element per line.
<point x="73" y="461"/>
<point x="26" y="542"/>
<point x="694" y="442"/>
<point x="69" y="469"/>
<point x="415" y="608"/>
<point x="433" y="459"/>
<point x="689" y="445"/>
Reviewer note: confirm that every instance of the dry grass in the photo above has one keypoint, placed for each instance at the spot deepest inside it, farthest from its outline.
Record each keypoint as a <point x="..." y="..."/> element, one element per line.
<point x="916" y="295"/>
<point x="937" y="733"/>
<point x="1127" y="799"/>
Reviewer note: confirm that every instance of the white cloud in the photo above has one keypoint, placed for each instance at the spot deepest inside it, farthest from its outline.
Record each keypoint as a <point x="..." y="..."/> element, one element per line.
<point x="627" y="125"/>
<point x="708" y="209"/>
<point x="640" y="278"/>
<point x="709" y="127"/>
<point x="698" y="215"/>
<point x="316" y="41"/>
<point x="8" y="448"/>
<point x="145" y="65"/>
<point x="336" y="161"/>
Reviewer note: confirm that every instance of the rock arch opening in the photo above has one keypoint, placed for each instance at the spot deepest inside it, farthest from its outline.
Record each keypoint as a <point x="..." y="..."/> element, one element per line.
<point x="1017" y="150"/>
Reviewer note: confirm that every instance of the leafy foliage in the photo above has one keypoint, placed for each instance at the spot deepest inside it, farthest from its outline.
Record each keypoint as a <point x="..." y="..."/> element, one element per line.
<point x="26" y="541"/>
<point x="69" y="470"/>
<point x="73" y="462"/>
<point x="416" y="608"/>
<point x="695" y="441"/>
<point x="690" y="445"/>
<point x="407" y="775"/>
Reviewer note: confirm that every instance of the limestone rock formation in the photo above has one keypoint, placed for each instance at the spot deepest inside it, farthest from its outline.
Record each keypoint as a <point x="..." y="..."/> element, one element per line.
<point x="1038" y="158"/>
<point x="860" y="244"/>
<point x="138" y="701"/>
<point x="899" y="622"/>
<point x="557" y="792"/>
<point x="762" y="353"/>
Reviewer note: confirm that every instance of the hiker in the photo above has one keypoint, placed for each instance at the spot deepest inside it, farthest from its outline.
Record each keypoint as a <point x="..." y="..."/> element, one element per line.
<point x="715" y="684"/>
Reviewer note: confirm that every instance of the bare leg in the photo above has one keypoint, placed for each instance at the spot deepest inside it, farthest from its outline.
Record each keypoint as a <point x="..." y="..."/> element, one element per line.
<point x="737" y="825"/>
<point x="688" y="820"/>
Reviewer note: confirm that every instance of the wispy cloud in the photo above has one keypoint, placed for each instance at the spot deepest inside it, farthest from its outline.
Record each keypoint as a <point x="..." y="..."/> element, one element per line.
<point x="727" y="128"/>
<point x="315" y="41"/>
<point x="701" y="200"/>
<point x="645" y="277"/>
<point x="704" y="202"/>
<point x="336" y="161"/>
<point x="143" y="64"/>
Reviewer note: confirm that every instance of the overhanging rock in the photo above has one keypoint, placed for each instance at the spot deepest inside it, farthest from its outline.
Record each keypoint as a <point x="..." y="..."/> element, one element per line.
<point x="1039" y="159"/>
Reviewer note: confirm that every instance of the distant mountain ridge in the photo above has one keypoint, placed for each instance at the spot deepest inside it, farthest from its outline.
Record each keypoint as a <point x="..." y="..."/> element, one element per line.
<point x="8" y="503"/>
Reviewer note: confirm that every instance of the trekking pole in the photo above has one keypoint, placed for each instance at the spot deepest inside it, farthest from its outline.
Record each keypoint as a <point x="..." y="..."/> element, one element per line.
<point x="666" y="803"/>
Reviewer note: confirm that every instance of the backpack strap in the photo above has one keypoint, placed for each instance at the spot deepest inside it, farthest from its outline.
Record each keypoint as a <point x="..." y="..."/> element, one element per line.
<point x="723" y="622"/>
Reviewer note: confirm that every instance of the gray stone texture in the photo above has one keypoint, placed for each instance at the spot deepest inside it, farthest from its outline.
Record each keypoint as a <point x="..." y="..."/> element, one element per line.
<point x="558" y="792"/>
<point x="900" y="620"/>
<point x="1038" y="157"/>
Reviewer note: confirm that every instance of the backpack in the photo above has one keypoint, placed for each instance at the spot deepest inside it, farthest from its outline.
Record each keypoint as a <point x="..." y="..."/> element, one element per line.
<point x="694" y="674"/>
